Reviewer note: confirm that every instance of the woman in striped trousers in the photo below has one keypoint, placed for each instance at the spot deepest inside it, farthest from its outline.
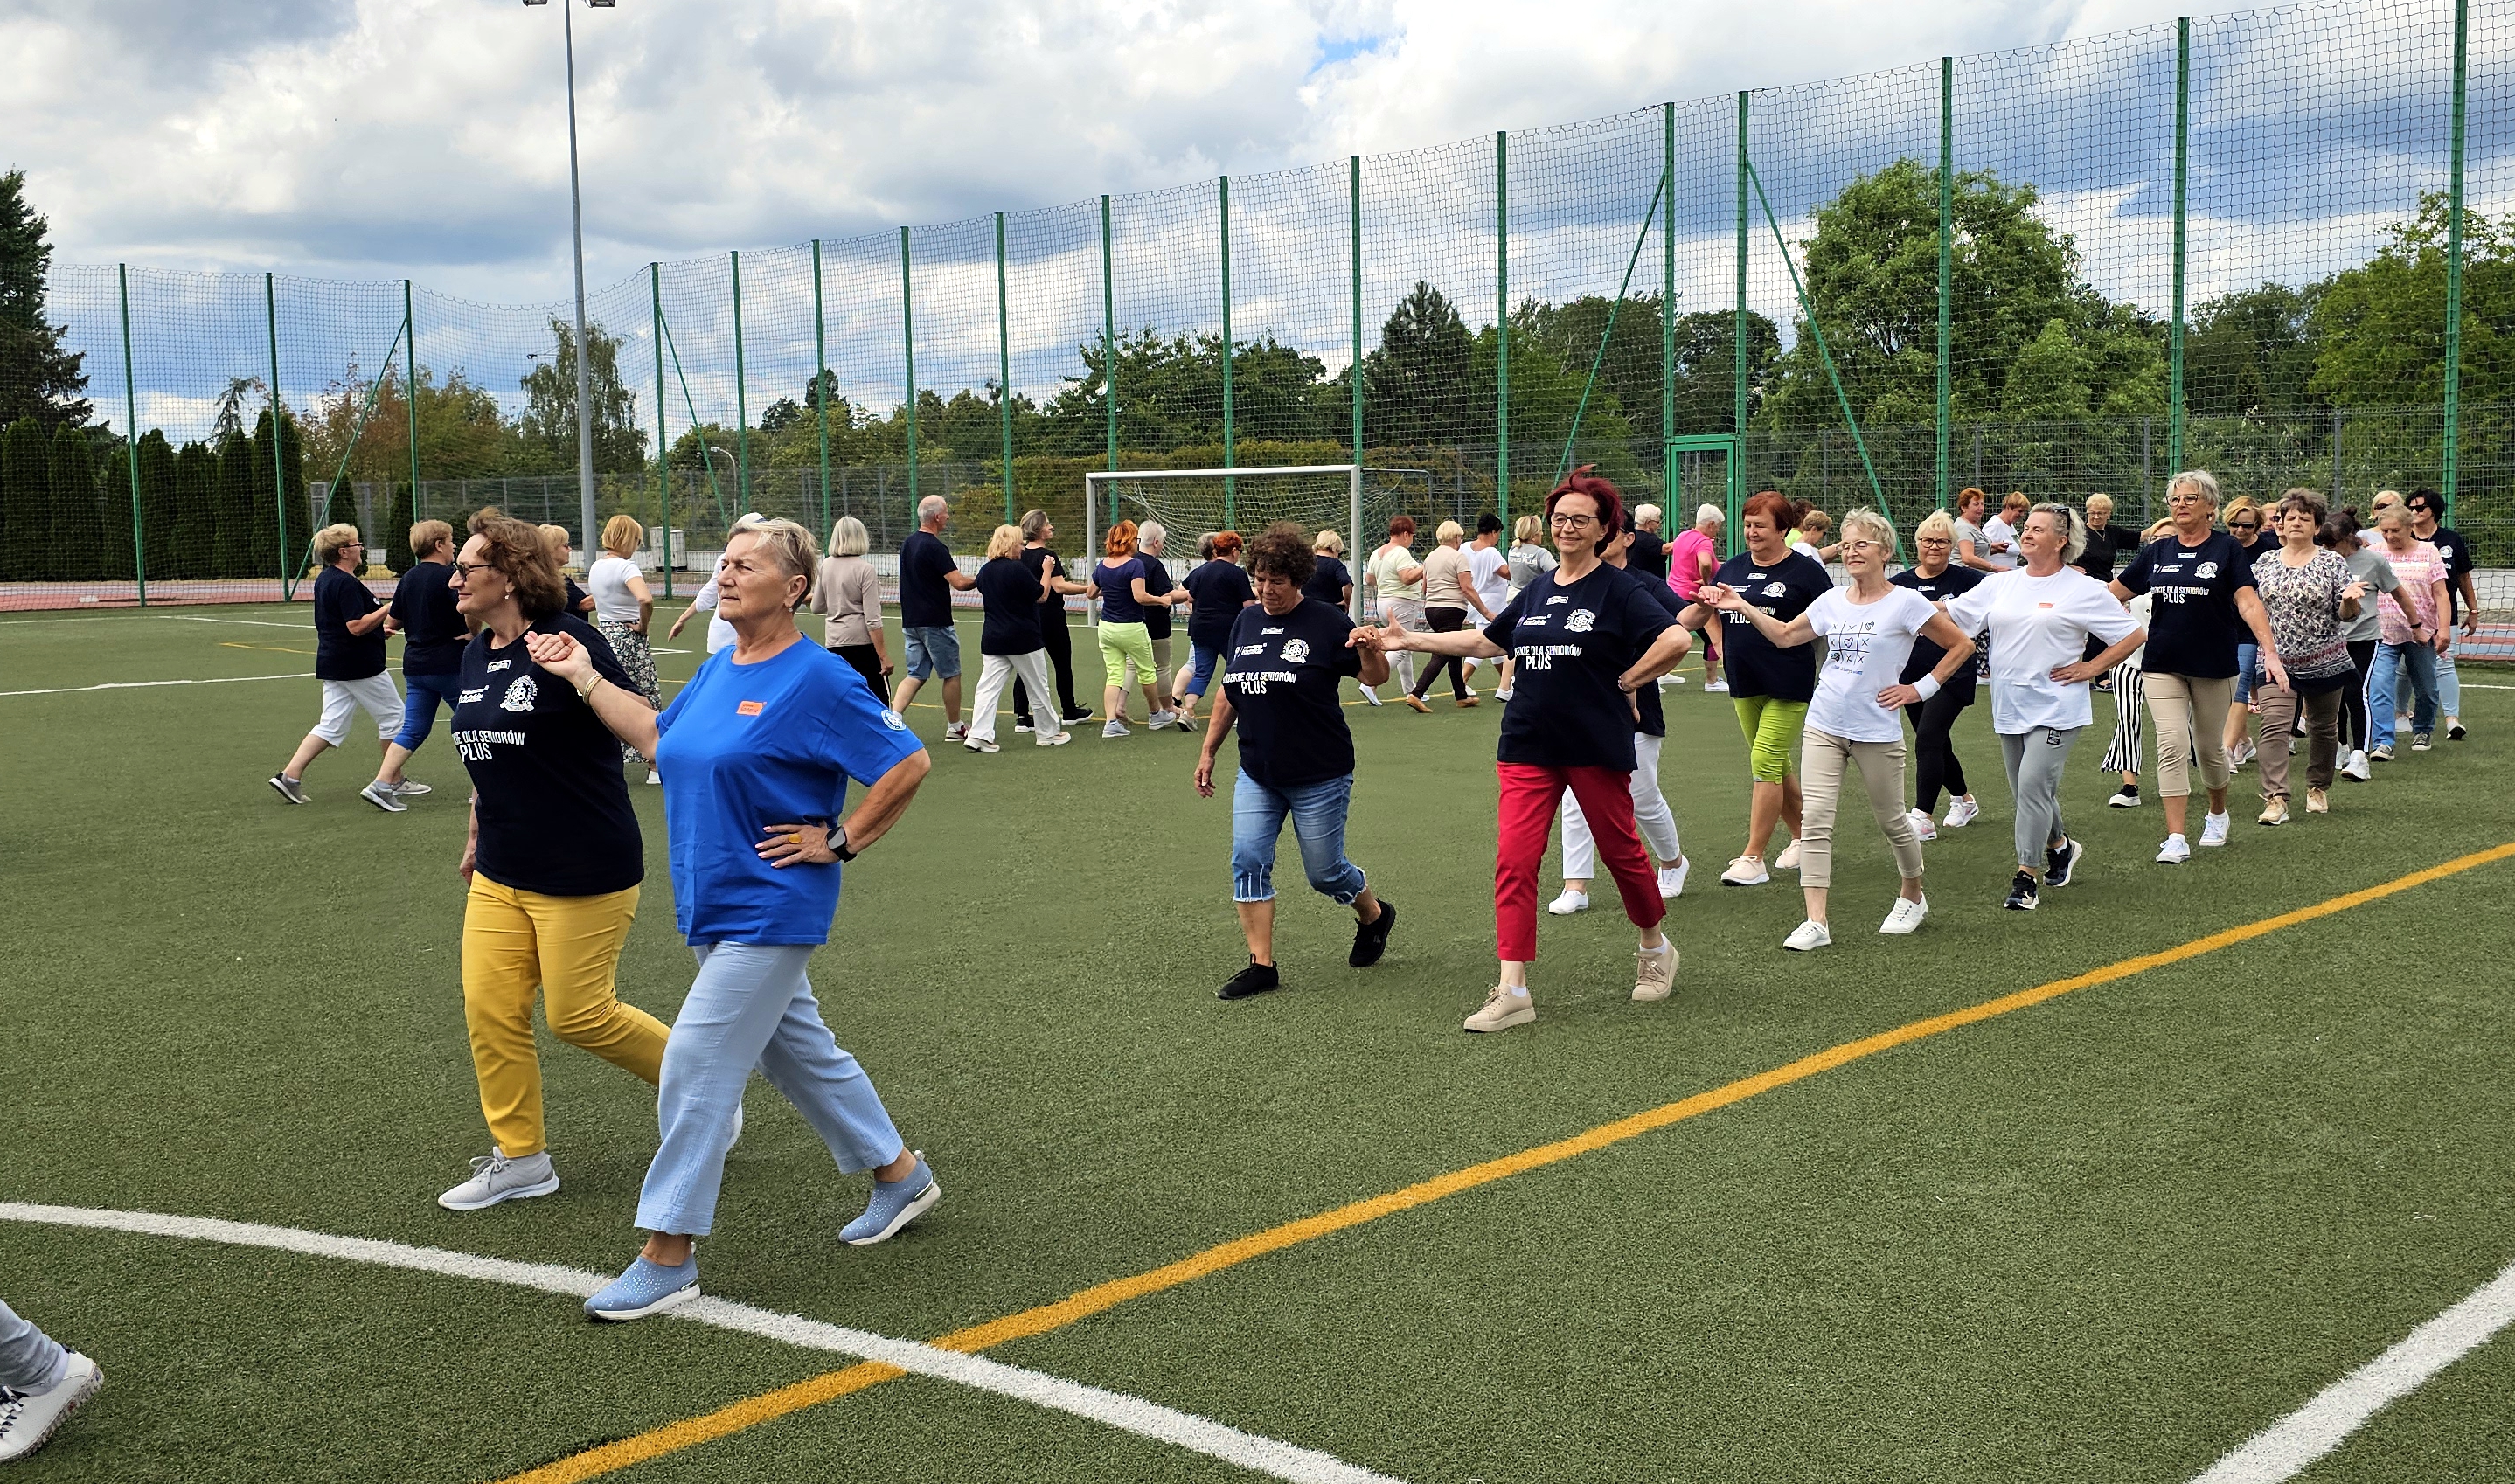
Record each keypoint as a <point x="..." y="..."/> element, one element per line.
<point x="2130" y="698"/>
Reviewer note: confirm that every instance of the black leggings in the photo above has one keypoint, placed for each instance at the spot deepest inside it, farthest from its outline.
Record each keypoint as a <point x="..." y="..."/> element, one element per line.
<point x="1935" y="763"/>
<point x="1058" y="641"/>
<point x="867" y="664"/>
<point x="2353" y="698"/>
<point x="1445" y="621"/>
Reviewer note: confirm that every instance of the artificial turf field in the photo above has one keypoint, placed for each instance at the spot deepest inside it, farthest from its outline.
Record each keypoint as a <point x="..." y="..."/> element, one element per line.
<point x="2104" y="1237"/>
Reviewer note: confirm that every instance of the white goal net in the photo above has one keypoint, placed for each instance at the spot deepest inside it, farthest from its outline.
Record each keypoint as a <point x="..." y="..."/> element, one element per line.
<point x="1192" y="503"/>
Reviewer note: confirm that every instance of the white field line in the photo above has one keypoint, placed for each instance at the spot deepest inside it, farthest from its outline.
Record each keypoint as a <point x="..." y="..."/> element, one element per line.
<point x="1129" y="1414"/>
<point x="223" y="680"/>
<point x="258" y="622"/>
<point x="2288" y="1447"/>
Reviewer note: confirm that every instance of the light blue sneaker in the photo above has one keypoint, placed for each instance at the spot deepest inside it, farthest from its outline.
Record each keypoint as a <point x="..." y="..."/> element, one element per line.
<point x="647" y="1287"/>
<point x="893" y="1205"/>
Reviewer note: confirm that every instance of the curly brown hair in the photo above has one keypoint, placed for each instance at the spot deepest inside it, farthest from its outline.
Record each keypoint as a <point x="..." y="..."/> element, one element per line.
<point x="1283" y="550"/>
<point x="515" y="547"/>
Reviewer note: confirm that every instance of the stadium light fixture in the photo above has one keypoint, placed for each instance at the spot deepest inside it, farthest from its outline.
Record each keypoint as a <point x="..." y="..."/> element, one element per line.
<point x="576" y="220"/>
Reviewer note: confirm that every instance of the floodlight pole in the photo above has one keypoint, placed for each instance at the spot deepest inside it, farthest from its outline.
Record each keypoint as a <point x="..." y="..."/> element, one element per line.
<point x="584" y="351"/>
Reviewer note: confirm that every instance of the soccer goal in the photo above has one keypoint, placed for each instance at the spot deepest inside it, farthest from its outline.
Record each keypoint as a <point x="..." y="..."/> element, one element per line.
<point x="1191" y="502"/>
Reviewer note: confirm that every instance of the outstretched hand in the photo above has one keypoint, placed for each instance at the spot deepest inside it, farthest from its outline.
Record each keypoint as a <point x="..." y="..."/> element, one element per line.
<point x="1369" y="638"/>
<point x="562" y="655"/>
<point x="1722" y="596"/>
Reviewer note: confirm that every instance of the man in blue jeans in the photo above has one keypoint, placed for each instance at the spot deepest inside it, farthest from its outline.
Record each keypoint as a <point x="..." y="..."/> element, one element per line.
<point x="40" y="1385"/>
<point x="1280" y="673"/>
<point x="433" y="637"/>
<point x="928" y="576"/>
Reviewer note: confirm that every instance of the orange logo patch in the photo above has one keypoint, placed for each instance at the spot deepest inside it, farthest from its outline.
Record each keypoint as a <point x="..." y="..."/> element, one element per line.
<point x="751" y="708"/>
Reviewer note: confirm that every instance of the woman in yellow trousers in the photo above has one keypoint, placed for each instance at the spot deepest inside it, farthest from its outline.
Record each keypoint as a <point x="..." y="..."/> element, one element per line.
<point x="554" y="859"/>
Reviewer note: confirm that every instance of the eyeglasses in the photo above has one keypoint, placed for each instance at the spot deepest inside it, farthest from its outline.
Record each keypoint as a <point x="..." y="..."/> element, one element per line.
<point x="465" y="569"/>
<point x="1858" y="545"/>
<point x="1930" y="541"/>
<point x="1570" y="518"/>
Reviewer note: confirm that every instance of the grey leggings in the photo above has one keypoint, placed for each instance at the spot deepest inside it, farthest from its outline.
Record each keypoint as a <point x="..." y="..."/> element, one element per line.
<point x="29" y="1360"/>
<point x="2035" y="760"/>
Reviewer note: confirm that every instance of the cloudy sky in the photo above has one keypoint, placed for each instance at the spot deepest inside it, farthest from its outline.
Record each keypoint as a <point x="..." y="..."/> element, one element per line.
<point x="379" y="138"/>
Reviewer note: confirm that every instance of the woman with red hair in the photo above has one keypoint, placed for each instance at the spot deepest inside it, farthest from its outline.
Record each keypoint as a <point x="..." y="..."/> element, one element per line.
<point x="1770" y="686"/>
<point x="1585" y="637"/>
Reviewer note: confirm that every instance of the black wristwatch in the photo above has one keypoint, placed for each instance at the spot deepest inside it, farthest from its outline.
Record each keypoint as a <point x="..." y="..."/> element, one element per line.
<point x="837" y="842"/>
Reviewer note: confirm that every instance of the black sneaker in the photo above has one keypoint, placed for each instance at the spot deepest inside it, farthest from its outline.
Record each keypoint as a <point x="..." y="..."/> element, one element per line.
<point x="2059" y="863"/>
<point x="1371" y="939"/>
<point x="1256" y="979"/>
<point x="2021" y="893"/>
<point x="1073" y="713"/>
<point x="2126" y="796"/>
<point x="2454" y="730"/>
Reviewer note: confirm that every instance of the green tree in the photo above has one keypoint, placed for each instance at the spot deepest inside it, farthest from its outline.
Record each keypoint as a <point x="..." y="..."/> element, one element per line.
<point x="2380" y="328"/>
<point x="70" y="554"/>
<point x="546" y="431"/>
<point x="2252" y="352"/>
<point x="238" y="510"/>
<point x="401" y="515"/>
<point x="157" y="505"/>
<point x="196" y="548"/>
<point x="25" y="499"/>
<point x="38" y="378"/>
<point x="1414" y="388"/>
<point x="340" y="507"/>
<point x="279" y="533"/>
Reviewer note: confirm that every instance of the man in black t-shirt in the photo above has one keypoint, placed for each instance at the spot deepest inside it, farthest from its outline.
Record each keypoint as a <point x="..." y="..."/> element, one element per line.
<point x="349" y="659"/>
<point x="928" y="578"/>
<point x="2461" y="595"/>
<point x="1645" y="552"/>
<point x="433" y="637"/>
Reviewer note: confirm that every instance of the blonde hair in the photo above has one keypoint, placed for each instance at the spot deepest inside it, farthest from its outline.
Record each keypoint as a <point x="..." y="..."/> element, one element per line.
<point x="786" y="543"/>
<point x="1004" y="541"/>
<point x="622" y="534"/>
<point x="332" y="540"/>
<point x="1820" y="522"/>
<point x="428" y="535"/>
<point x="553" y="540"/>
<point x="1450" y="531"/>
<point x="1937" y="523"/>
<point x="1867" y="524"/>
<point x="2074" y="531"/>
<point x="850" y="538"/>
<point x="1329" y="542"/>
<point x="2228" y="512"/>
<point x="2100" y="500"/>
<point x="1529" y="530"/>
<point x="2387" y="499"/>
<point x="2015" y="499"/>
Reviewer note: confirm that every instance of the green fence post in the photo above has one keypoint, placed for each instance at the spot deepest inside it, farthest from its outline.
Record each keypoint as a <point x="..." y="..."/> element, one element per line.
<point x="1737" y="348"/>
<point x="908" y="347"/>
<point x="130" y="445"/>
<point x="278" y="438"/>
<point x="2446" y="476"/>
<point x="1109" y="353"/>
<point x="1004" y="369"/>
<point x="821" y="381"/>
<point x="1501" y="324"/>
<point x="410" y="390"/>
<point x="1353" y="191"/>
<point x="663" y="430"/>
<point x="1223" y="200"/>
<point x="1668" y="317"/>
<point x="741" y="399"/>
<point x="2182" y="159"/>
<point x="1947" y="246"/>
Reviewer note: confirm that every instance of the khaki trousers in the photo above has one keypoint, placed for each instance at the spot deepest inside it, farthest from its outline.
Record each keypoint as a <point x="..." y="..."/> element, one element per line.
<point x="1821" y="756"/>
<point x="2191" y="721"/>
<point x="2278" y="718"/>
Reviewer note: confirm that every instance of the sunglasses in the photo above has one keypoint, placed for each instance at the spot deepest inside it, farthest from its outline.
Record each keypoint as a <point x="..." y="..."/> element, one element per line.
<point x="2245" y="526"/>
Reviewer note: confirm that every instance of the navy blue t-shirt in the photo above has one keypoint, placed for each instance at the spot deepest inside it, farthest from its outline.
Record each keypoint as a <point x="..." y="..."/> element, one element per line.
<point x="2457" y="552"/>
<point x="1753" y="665"/>
<point x="1572" y="640"/>
<point x="1653" y="722"/>
<point x="1219" y="589"/>
<point x="554" y="810"/>
<point x="2192" y="623"/>
<point x="1009" y="585"/>
<point x="1328" y="583"/>
<point x="1926" y="654"/>
<point x="1117" y="583"/>
<point x="1647" y="555"/>
<point x="577" y="600"/>
<point x="1051" y="613"/>
<point x="1157" y="581"/>
<point x="433" y="634"/>
<point x="924" y="595"/>
<point x="1282" y="675"/>
<point x="338" y="654"/>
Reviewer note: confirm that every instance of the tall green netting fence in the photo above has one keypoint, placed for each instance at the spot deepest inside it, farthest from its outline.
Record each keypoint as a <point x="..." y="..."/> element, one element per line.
<point x="2251" y="243"/>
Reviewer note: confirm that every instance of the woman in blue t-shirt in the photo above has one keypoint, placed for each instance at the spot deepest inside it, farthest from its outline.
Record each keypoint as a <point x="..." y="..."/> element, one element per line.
<point x="1124" y="597"/>
<point x="1217" y="590"/>
<point x="1013" y="586"/>
<point x="349" y="661"/>
<point x="1287" y="655"/>
<point x="756" y="753"/>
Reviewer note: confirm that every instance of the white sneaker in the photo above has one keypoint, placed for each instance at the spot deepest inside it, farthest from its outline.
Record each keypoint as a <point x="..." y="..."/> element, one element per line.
<point x="1807" y="936"/>
<point x="1961" y="813"/>
<point x="2213" y="830"/>
<point x="1654" y="972"/>
<point x="655" y="777"/>
<point x="496" y="1177"/>
<point x="1923" y="826"/>
<point x="28" y="1417"/>
<point x="1671" y="879"/>
<point x="2358" y="769"/>
<point x="1789" y="859"/>
<point x="2176" y="851"/>
<point x="1503" y="1009"/>
<point x="1569" y="902"/>
<point x="1905" y="916"/>
<point x="955" y="731"/>
<point x="1053" y="739"/>
<point x="1715" y="687"/>
<point x="1370" y="695"/>
<point x="1161" y="720"/>
<point x="1498" y="695"/>
<point x="1746" y="871"/>
<point x="981" y="744"/>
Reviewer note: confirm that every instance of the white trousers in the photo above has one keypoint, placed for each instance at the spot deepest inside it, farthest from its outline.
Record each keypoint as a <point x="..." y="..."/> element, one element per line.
<point x="1652" y="816"/>
<point x="374" y="694"/>
<point x="998" y="671"/>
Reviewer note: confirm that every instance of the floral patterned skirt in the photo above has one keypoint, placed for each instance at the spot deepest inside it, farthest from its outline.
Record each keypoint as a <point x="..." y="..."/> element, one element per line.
<point x="629" y="646"/>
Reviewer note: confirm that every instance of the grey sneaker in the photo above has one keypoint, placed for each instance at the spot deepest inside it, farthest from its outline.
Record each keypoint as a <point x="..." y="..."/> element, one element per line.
<point x="383" y="797"/>
<point x="410" y="789"/>
<point x="289" y="788"/>
<point x="1116" y="729"/>
<point x="496" y="1177"/>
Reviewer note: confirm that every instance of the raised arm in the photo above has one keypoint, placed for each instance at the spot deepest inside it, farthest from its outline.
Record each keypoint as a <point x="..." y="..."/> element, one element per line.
<point x="1784" y="636"/>
<point x="1465" y="643"/>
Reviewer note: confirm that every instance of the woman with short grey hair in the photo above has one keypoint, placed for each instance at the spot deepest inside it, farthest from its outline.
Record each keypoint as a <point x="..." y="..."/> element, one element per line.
<point x="350" y="662"/>
<point x="849" y="593"/>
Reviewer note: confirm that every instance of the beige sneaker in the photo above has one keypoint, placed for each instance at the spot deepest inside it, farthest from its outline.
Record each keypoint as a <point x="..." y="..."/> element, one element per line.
<point x="2316" y="802"/>
<point x="2274" y="811"/>
<point x="1653" y="973"/>
<point x="1789" y="859"/>
<point x="1503" y="1009"/>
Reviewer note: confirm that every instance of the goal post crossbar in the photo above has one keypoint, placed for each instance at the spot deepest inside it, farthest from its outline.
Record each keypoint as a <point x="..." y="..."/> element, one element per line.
<point x="1093" y="480"/>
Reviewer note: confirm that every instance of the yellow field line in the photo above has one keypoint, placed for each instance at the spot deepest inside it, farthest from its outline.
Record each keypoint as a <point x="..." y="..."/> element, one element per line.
<point x="1094" y="1301"/>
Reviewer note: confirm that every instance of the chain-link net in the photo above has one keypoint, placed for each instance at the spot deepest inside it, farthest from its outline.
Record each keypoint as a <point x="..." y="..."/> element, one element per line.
<point x="1699" y="313"/>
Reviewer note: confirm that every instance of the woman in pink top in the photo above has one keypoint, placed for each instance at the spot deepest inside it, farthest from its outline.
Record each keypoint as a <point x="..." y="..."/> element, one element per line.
<point x="2409" y="635"/>
<point x="1693" y="558"/>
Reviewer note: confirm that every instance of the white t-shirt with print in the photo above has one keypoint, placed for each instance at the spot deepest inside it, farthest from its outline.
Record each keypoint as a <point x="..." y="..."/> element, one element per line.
<point x="1866" y="647"/>
<point x="2038" y="624"/>
<point x="1997" y="532"/>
